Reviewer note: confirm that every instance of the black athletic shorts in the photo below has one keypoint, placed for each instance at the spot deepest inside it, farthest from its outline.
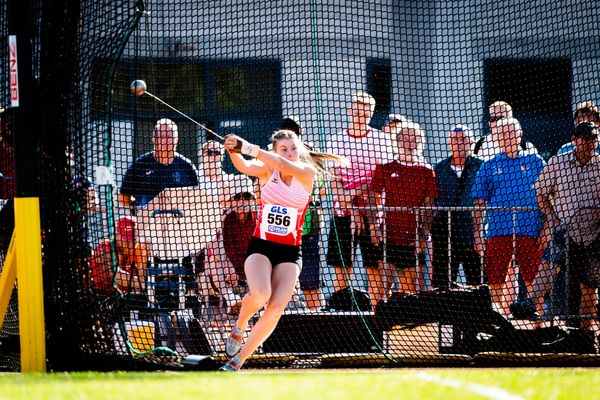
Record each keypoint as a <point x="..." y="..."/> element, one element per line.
<point x="277" y="253"/>
<point x="584" y="263"/>
<point x="402" y="256"/>
<point x="343" y="243"/>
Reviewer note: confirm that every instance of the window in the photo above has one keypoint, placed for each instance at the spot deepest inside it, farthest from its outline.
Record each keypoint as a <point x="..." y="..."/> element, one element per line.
<point x="539" y="91"/>
<point x="379" y="85"/>
<point x="195" y="88"/>
<point x="530" y="85"/>
<point x="180" y="85"/>
<point x="251" y="88"/>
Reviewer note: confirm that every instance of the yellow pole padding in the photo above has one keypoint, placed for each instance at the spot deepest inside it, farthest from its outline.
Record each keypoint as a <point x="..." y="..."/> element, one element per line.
<point x="30" y="290"/>
<point x="7" y="279"/>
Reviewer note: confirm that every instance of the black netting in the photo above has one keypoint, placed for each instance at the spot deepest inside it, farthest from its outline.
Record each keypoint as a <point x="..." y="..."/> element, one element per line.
<point x="9" y="332"/>
<point x="463" y="230"/>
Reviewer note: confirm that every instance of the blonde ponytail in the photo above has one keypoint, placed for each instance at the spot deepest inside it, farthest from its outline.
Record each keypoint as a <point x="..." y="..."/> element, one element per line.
<point x="315" y="158"/>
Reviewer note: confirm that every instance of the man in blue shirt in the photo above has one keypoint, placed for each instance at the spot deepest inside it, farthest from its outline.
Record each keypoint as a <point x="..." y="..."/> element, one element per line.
<point x="455" y="176"/>
<point x="504" y="182"/>
<point x="157" y="170"/>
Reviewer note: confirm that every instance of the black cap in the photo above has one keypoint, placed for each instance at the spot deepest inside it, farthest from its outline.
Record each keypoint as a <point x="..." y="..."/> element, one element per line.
<point x="585" y="130"/>
<point x="291" y="123"/>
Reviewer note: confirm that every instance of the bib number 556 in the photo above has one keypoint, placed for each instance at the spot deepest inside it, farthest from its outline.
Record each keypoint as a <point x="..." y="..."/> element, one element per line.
<point x="277" y="219"/>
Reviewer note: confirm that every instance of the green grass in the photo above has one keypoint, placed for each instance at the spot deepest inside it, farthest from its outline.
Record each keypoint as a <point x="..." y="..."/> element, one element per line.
<point x="377" y="384"/>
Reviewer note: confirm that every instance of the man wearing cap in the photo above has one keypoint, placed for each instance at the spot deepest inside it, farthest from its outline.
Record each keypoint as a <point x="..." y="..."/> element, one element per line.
<point x="366" y="148"/>
<point x="130" y="256"/>
<point x="568" y="191"/>
<point x="455" y="177"/>
<point x="554" y="256"/>
<point x="157" y="170"/>
<point x="585" y="111"/>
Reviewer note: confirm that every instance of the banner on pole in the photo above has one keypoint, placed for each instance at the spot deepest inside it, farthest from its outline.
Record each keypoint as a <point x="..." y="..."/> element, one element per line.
<point x="13" y="70"/>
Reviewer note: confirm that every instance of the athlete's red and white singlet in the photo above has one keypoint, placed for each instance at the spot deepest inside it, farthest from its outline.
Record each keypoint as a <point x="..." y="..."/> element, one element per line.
<point x="282" y="213"/>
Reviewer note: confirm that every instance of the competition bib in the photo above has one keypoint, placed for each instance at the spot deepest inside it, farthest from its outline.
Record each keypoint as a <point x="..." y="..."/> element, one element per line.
<point x="278" y="220"/>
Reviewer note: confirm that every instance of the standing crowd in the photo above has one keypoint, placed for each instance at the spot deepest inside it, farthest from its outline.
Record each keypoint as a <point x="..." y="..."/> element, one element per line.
<point x="492" y="206"/>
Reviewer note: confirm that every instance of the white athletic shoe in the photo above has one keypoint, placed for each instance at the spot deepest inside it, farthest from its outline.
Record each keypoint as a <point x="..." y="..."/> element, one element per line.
<point x="233" y="343"/>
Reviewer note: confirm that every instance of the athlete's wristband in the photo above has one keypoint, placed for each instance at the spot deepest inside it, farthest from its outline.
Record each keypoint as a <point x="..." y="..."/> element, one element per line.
<point x="249" y="149"/>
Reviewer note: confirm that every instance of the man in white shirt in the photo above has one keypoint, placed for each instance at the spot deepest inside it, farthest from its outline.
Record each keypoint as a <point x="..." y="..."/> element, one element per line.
<point x="352" y="224"/>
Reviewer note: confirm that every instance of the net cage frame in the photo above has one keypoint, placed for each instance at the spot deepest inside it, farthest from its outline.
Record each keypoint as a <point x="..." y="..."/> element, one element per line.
<point x="241" y="67"/>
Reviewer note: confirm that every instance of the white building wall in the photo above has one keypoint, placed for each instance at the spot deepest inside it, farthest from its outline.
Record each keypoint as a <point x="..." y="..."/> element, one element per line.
<point x="436" y="49"/>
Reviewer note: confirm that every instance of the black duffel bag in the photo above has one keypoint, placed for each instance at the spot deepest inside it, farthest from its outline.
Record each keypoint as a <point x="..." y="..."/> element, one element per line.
<point x="342" y="300"/>
<point x="443" y="306"/>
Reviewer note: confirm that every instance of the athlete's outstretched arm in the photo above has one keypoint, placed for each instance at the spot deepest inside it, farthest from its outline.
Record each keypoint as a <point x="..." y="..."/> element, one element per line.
<point x="304" y="172"/>
<point x="247" y="167"/>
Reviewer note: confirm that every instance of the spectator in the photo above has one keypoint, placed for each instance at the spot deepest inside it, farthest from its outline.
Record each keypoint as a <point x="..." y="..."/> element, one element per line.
<point x="554" y="255"/>
<point x="366" y="148"/>
<point x="486" y="148"/>
<point x="310" y="277"/>
<point x="220" y="187"/>
<point x="455" y="177"/>
<point x="569" y="194"/>
<point x="585" y="111"/>
<point x="86" y="206"/>
<point x="238" y="227"/>
<point x="157" y="170"/>
<point x="406" y="182"/>
<point x="504" y="182"/>
<point x="224" y="277"/>
<point x="130" y="256"/>
<point x="84" y="193"/>
<point x="214" y="180"/>
<point x="274" y="258"/>
<point x="221" y="272"/>
<point x="391" y="127"/>
<point x="393" y="123"/>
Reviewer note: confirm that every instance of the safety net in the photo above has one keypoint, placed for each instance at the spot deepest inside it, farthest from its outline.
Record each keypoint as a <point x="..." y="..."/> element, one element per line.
<point x="376" y="182"/>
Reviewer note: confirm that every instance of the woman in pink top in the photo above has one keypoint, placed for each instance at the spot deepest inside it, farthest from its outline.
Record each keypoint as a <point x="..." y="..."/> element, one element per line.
<point x="274" y="258"/>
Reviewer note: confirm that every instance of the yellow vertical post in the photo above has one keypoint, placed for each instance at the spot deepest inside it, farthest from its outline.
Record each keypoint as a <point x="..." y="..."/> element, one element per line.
<point x="30" y="291"/>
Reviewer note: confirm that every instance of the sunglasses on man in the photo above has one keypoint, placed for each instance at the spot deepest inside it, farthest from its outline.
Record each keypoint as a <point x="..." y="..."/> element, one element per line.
<point x="212" y="152"/>
<point x="243" y="196"/>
